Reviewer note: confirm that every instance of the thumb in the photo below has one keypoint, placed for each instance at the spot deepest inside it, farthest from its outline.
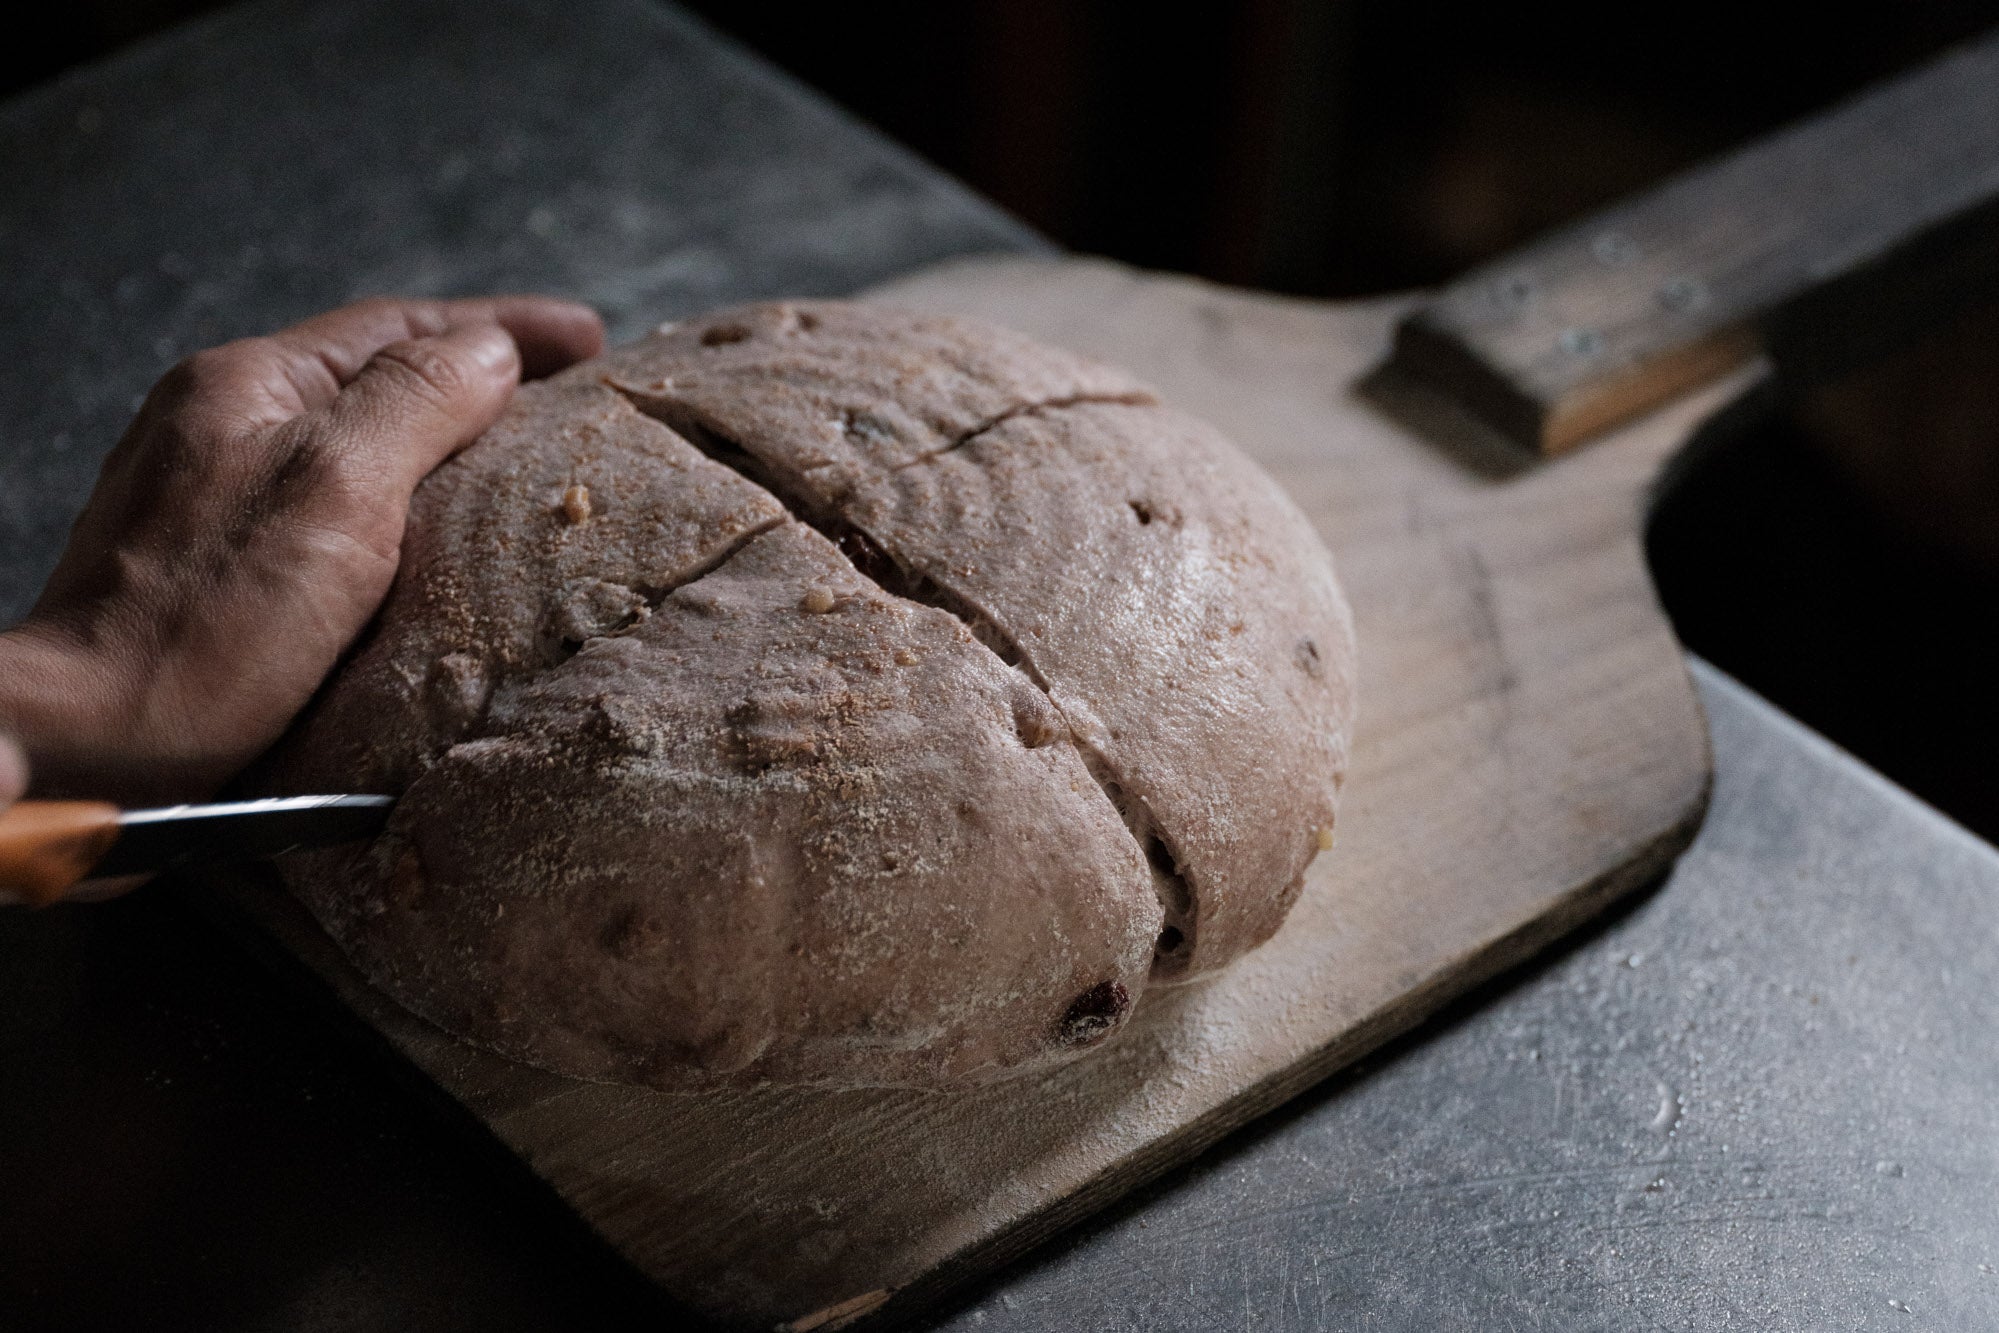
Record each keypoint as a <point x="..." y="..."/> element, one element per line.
<point x="417" y="402"/>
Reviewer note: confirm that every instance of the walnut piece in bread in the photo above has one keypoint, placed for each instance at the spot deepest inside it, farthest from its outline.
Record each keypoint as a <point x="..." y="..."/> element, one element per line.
<point x="820" y="693"/>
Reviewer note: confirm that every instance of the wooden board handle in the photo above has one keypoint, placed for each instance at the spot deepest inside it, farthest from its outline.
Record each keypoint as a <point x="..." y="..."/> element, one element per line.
<point x="47" y="846"/>
<point x="1823" y="243"/>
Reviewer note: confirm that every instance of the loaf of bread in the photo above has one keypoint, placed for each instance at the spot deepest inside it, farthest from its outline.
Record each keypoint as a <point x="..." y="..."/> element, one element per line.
<point x="820" y="693"/>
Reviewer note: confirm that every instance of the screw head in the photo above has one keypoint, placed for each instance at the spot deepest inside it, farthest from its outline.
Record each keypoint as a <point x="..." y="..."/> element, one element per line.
<point x="1683" y="294"/>
<point x="1581" y="342"/>
<point x="1613" y="249"/>
<point x="1513" y="291"/>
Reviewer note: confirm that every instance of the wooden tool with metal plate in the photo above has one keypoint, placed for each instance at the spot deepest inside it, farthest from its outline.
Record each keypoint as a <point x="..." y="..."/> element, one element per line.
<point x="1530" y="746"/>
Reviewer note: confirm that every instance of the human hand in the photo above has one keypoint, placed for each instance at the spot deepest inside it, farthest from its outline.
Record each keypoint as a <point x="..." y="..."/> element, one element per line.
<point x="243" y="532"/>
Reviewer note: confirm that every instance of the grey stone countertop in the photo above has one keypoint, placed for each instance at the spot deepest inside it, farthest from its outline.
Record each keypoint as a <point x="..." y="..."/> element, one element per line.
<point x="1764" y="1096"/>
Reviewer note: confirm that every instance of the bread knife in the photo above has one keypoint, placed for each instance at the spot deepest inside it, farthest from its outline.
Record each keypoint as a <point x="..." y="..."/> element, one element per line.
<point x="48" y="846"/>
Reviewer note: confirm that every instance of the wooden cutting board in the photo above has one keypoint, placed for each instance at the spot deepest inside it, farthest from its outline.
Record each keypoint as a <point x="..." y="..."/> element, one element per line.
<point x="1529" y="748"/>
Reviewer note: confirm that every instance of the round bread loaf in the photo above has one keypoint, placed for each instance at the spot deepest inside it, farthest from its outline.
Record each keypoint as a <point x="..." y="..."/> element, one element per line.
<point x="821" y="693"/>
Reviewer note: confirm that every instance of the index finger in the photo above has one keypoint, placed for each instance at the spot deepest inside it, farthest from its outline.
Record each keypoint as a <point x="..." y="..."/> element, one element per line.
<point x="326" y="352"/>
<point x="550" y="332"/>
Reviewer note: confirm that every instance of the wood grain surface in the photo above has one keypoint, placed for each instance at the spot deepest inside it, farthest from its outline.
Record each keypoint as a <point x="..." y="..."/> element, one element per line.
<point x="1530" y="747"/>
<point x="1823" y="245"/>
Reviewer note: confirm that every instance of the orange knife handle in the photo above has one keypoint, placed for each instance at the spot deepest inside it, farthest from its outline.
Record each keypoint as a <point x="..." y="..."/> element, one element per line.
<point x="47" y="846"/>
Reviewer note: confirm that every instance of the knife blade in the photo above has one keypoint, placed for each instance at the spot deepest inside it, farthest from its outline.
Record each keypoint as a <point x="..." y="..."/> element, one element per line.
<point x="184" y="835"/>
<point x="47" y="846"/>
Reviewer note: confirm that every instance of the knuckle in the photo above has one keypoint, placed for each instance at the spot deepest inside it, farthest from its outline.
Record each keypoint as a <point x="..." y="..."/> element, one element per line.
<point x="424" y="369"/>
<point x="193" y="377"/>
<point x="205" y="384"/>
<point x="228" y="367"/>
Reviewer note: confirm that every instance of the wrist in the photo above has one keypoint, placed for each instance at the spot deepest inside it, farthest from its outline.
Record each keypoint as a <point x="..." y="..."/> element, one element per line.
<point x="62" y="707"/>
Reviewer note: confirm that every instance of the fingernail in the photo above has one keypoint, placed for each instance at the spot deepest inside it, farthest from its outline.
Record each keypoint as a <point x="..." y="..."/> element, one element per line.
<point x="490" y="347"/>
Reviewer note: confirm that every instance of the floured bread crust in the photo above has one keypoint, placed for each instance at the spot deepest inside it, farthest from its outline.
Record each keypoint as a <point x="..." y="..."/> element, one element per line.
<point x="820" y="693"/>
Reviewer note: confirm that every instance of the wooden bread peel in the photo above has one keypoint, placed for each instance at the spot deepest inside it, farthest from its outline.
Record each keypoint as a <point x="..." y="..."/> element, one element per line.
<point x="1530" y="746"/>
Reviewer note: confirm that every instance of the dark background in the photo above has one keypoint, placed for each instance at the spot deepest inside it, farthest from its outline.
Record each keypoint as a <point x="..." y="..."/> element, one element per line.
<point x="1327" y="147"/>
<point x="1843" y="561"/>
